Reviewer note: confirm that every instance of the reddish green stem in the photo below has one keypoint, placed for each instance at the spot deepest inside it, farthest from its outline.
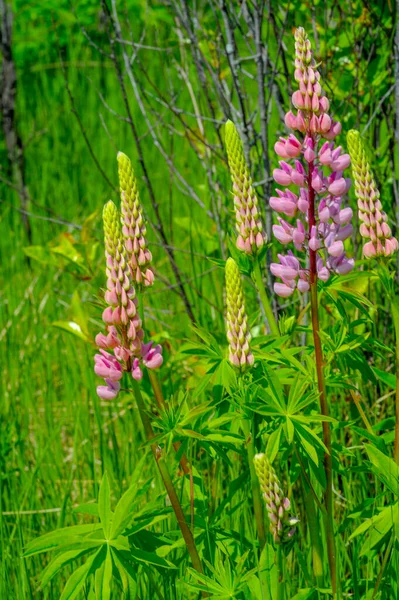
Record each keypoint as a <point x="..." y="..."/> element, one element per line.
<point x="328" y="496"/>
<point x="156" y="388"/>
<point x="168" y="483"/>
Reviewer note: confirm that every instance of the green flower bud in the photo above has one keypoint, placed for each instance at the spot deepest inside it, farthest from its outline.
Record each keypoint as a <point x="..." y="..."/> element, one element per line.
<point x="248" y="220"/>
<point x="238" y="334"/>
<point x="374" y="226"/>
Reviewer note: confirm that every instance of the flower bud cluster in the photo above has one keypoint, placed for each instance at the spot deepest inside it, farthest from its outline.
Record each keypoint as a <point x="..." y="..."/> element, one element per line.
<point x="282" y="525"/>
<point x="374" y="226"/>
<point x="238" y="334"/>
<point x="250" y="238"/>
<point x="133" y="225"/>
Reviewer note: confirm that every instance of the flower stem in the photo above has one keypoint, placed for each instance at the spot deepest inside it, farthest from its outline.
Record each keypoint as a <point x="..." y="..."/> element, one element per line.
<point x="264" y="298"/>
<point x="168" y="483"/>
<point x="156" y="388"/>
<point x="256" y="496"/>
<point x="314" y="531"/>
<point x="328" y="496"/>
<point x="280" y="574"/>
<point x="395" y="315"/>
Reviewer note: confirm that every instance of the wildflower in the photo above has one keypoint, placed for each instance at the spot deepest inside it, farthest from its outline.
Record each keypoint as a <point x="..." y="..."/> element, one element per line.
<point x="133" y="225"/>
<point x="282" y="526"/>
<point x="250" y="238"/>
<point x="108" y="367"/>
<point x="238" y="334"/>
<point x="125" y="333"/>
<point x="315" y="172"/>
<point x="374" y="226"/>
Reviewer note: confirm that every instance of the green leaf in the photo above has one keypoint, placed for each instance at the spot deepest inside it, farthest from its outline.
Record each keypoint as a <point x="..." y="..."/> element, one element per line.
<point x="68" y="536"/>
<point x="42" y="254"/>
<point x="77" y="580"/>
<point x="104" y="504"/>
<point x="226" y="437"/>
<point x="387" y="378"/>
<point x="57" y="563"/>
<point x="305" y="594"/>
<point x="89" y="508"/>
<point x="126" y="572"/>
<point x="385" y="468"/>
<point x="123" y="512"/>
<point x="380" y="527"/>
<point x="275" y="388"/>
<point x="103" y="578"/>
<point x="73" y="328"/>
<point x="150" y="558"/>
<point x="273" y="444"/>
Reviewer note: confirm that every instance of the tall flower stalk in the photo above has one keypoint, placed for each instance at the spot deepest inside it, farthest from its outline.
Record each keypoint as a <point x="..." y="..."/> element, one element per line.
<point x="128" y="265"/>
<point x="250" y="236"/>
<point x="379" y="242"/>
<point x="241" y="357"/>
<point x="313" y="167"/>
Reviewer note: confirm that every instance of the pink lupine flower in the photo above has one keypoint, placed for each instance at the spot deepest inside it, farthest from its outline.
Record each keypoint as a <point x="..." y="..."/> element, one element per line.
<point x="109" y="391"/>
<point x="320" y="196"/>
<point x="125" y="333"/>
<point x="107" y="366"/>
<point x="152" y="355"/>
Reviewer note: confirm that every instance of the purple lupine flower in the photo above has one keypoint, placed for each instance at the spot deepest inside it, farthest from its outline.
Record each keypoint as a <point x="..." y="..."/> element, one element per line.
<point x="109" y="391"/>
<point x="151" y="357"/>
<point x="107" y="366"/>
<point x="314" y="170"/>
<point x="110" y="369"/>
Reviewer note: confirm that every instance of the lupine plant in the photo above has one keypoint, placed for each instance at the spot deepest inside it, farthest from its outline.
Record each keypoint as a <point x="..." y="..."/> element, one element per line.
<point x="265" y="405"/>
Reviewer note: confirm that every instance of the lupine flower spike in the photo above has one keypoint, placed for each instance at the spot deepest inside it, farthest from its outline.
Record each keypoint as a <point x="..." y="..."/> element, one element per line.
<point x="133" y="225"/>
<point x="124" y="329"/>
<point x="314" y="169"/>
<point x="282" y="525"/>
<point x="374" y="226"/>
<point x="250" y="238"/>
<point x="238" y="334"/>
